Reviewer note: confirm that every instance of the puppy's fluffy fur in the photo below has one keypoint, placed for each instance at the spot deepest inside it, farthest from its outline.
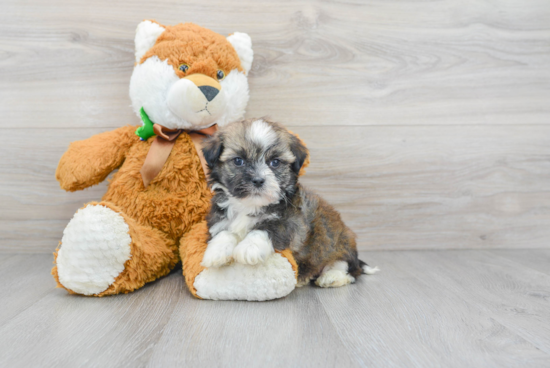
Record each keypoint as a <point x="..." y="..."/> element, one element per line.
<point x="259" y="206"/>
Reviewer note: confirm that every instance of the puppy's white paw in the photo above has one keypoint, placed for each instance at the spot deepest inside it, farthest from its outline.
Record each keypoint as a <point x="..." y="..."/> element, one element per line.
<point x="368" y="270"/>
<point x="334" y="278"/>
<point x="220" y="250"/>
<point x="303" y="282"/>
<point x="254" y="249"/>
<point x="335" y="275"/>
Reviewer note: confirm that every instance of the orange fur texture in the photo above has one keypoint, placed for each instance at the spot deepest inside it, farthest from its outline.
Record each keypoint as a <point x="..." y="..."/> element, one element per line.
<point x="157" y="216"/>
<point x="203" y="50"/>
<point x="174" y="205"/>
<point x="171" y="208"/>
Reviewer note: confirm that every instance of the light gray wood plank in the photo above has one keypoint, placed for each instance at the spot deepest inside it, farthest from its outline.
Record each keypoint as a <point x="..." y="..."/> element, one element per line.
<point x="424" y="309"/>
<point x="33" y="236"/>
<point x="316" y="62"/>
<point x="399" y="317"/>
<point x="25" y="279"/>
<point x="514" y="295"/>
<point x="538" y="259"/>
<point x="74" y="331"/>
<point x="28" y="182"/>
<point x="397" y="187"/>
<point x="4" y="257"/>
<point x="450" y="187"/>
<point x="290" y="332"/>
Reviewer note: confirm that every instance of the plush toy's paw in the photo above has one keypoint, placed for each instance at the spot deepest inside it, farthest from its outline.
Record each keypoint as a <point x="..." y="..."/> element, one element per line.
<point x="220" y="250"/>
<point x="94" y="248"/>
<point x="254" y="249"/>
<point x="275" y="278"/>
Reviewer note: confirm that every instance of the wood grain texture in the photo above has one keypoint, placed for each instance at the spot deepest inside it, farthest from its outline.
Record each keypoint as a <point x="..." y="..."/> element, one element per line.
<point x="427" y="121"/>
<point x="433" y="324"/>
<point x="278" y="333"/>
<point x="514" y="295"/>
<point x="68" y="63"/>
<point x="538" y="259"/>
<point x="74" y="331"/>
<point x="23" y="272"/>
<point x="396" y="187"/>
<point x="468" y="308"/>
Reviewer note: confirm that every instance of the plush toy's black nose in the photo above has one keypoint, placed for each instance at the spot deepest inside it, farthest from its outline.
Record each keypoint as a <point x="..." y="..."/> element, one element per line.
<point x="209" y="92"/>
<point x="258" y="182"/>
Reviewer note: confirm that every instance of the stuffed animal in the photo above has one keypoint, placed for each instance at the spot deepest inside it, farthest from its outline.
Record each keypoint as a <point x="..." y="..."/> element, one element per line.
<point x="187" y="80"/>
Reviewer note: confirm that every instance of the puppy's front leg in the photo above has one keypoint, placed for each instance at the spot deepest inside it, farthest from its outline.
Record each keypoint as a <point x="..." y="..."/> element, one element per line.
<point x="254" y="249"/>
<point x="219" y="250"/>
<point x="285" y="233"/>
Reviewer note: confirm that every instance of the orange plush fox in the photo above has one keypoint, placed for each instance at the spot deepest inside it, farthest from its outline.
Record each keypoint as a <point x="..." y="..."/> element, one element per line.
<point x="187" y="80"/>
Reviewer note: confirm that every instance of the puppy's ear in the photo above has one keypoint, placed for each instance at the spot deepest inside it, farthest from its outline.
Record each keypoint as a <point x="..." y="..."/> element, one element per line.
<point x="212" y="150"/>
<point x="300" y="151"/>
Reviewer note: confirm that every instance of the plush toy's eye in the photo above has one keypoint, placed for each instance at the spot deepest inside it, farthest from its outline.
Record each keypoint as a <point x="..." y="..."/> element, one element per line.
<point x="183" y="67"/>
<point x="274" y="163"/>
<point x="220" y="75"/>
<point x="238" y="161"/>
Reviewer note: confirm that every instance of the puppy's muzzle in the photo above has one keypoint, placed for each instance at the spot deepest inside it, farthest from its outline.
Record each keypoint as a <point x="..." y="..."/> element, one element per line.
<point x="258" y="182"/>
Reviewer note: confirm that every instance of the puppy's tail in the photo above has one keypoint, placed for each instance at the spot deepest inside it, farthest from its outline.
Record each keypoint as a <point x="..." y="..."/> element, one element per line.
<point x="368" y="270"/>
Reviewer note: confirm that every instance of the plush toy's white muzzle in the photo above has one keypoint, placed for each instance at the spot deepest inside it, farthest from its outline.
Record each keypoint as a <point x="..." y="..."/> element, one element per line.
<point x="199" y="105"/>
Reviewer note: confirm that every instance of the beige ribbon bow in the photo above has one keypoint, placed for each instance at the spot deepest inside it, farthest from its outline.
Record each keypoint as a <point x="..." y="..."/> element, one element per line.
<point x="162" y="146"/>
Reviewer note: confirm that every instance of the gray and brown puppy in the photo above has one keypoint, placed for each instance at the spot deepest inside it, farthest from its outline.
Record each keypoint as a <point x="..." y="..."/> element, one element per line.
<point x="258" y="206"/>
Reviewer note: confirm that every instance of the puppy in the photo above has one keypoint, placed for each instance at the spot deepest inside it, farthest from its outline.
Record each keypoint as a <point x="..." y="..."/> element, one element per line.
<point x="258" y="207"/>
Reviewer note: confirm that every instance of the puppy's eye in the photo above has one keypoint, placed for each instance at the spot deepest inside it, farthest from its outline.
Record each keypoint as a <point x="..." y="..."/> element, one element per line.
<point x="183" y="67"/>
<point x="238" y="161"/>
<point x="274" y="163"/>
<point x="220" y="75"/>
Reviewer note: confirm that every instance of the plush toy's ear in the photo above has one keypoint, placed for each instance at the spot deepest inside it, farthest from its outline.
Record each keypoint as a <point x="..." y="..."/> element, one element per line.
<point x="212" y="150"/>
<point x="300" y="151"/>
<point x="147" y="33"/>
<point x="243" y="45"/>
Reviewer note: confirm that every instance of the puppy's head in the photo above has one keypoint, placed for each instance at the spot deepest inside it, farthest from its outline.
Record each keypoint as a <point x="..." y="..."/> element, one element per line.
<point x="255" y="160"/>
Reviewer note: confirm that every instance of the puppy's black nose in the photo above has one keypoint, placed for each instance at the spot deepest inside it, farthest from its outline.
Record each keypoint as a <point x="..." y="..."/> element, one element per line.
<point x="209" y="92"/>
<point x="258" y="182"/>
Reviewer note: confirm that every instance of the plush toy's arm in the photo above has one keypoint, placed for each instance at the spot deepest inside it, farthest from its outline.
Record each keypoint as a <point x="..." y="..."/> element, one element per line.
<point x="88" y="162"/>
<point x="273" y="279"/>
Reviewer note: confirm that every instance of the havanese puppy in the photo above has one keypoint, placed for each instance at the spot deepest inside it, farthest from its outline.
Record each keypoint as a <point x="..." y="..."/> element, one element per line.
<point x="258" y="207"/>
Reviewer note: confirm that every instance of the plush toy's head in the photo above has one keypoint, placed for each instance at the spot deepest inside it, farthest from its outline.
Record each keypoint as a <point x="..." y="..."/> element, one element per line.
<point x="188" y="77"/>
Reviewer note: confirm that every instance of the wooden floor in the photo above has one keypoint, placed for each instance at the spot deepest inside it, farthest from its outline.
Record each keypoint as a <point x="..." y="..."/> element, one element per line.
<point x="465" y="308"/>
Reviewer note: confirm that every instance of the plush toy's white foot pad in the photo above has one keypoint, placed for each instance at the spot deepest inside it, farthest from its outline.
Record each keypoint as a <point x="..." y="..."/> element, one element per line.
<point x="94" y="248"/>
<point x="271" y="279"/>
<point x="335" y="275"/>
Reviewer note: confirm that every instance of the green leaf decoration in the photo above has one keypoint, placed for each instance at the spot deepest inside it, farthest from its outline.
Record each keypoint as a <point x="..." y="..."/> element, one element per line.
<point x="146" y="130"/>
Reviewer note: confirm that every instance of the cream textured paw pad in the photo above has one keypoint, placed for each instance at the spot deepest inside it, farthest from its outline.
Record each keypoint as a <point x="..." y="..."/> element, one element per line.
<point x="272" y="279"/>
<point x="94" y="248"/>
